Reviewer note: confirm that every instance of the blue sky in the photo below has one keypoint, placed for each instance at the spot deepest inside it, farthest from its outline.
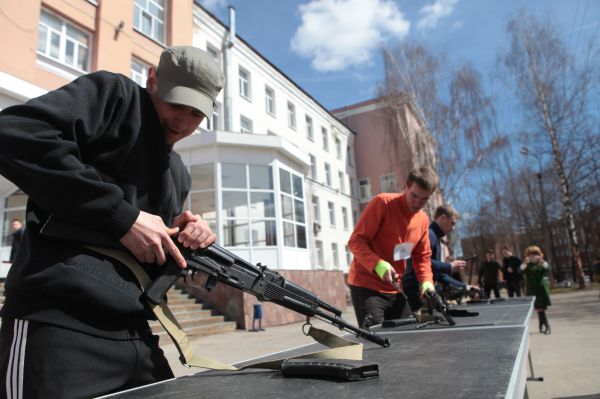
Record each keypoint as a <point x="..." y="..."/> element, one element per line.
<point x="331" y="48"/>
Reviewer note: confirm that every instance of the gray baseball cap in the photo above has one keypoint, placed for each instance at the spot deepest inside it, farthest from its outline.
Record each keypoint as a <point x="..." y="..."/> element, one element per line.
<point x="189" y="76"/>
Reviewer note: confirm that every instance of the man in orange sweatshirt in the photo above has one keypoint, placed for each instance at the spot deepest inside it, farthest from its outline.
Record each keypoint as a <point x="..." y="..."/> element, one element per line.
<point x="391" y="229"/>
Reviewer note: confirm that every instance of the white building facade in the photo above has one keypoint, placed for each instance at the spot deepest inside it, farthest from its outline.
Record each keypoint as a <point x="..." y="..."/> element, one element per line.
<point x="273" y="171"/>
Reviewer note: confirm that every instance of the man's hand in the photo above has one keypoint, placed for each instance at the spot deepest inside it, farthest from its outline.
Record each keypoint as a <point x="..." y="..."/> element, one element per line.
<point x="194" y="231"/>
<point x="427" y="286"/>
<point x="458" y="265"/>
<point x="149" y="238"/>
<point x="386" y="273"/>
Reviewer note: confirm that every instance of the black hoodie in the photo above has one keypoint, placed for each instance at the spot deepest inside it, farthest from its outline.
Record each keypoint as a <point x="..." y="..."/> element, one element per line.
<point x="90" y="155"/>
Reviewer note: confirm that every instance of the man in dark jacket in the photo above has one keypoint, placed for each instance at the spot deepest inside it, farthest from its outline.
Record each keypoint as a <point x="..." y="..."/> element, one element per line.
<point x="96" y="159"/>
<point x="444" y="221"/>
<point x="511" y="267"/>
<point x="17" y="227"/>
<point x="488" y="274"/>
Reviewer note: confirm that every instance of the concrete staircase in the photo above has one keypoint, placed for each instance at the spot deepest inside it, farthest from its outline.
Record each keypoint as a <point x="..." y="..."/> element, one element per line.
<point x="189" y="313"/>
<point x="192" y="317"/>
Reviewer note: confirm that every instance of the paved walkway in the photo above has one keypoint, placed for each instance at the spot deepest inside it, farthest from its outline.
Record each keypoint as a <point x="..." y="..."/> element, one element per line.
<point x="568" y="359"/>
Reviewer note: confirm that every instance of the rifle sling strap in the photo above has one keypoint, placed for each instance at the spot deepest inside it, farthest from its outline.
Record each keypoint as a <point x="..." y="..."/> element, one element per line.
<point x="340" y="348"/>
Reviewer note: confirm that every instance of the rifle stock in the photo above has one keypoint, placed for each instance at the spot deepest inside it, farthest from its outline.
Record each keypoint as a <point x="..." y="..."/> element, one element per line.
<point x="267" y="285"/>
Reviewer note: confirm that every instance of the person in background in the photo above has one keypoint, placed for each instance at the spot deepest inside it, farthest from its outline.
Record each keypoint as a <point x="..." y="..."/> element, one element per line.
<point x="17" y="235"/>
<point x="391" y="229"/>
<point x="489" y="274"/>
<point x="445" y="218"/>
<point x="96" y="159"/>
<point x="536" y="280"/>
<point x="512" y="272"/>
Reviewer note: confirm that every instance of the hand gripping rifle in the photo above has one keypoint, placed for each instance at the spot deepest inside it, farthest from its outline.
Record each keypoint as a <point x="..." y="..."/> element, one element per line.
<point x="436" y="302"/>
<point x="220" y="265"/>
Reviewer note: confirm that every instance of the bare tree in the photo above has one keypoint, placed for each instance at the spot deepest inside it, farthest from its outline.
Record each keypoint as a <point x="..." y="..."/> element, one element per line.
<point x="449" y="126"/>
<point x="554" y="91"/>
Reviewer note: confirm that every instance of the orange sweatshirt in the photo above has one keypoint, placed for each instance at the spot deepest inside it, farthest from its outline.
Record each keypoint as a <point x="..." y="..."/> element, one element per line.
<point x="384" y="223"/>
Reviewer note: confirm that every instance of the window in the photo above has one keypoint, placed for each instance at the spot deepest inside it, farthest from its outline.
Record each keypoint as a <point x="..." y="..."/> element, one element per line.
<point x="309" y="128"/>
<point x="139" y="72"/>
<point x="345" y="218"/>
<point x="365" y="190"/>
<point x="270" y="100"/>
<point x="313" y="166"/>
<point x="335" y="255"/>
<point x="331" y="208"/>
<point x="14" y="208"/>
<point x="327" y="174"/>
<point x="149" y="18"/>
<point x="248" y="205"/>
<point x="342" y="182"/>
<point x="316" y="207"/>
<point x="62" y="42"/>
<point x="352" y="187"/>
<point x="214" y="53"/>
<point x="348" y="256"/>
<point x="291" y="115"/>
<point x="388" y="183"/>
<point x="338" y="148"/>
<point x="349" y="156"/>
<point x="325" y="135"/>
<point x="244" y="82"/>
<point x="245" y="124"/>
<point x="319" y="251"/>
<point x="214" y="123"/>
<point x="292" y="209"/>
<point x="202" y="193"/>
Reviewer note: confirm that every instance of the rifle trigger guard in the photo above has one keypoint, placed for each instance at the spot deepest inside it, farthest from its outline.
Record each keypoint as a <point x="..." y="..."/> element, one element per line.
<point x="307" y="324"/>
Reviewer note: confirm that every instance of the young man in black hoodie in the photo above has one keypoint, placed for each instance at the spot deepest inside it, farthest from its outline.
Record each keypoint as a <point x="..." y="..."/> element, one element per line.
<point x="96" y="159"/>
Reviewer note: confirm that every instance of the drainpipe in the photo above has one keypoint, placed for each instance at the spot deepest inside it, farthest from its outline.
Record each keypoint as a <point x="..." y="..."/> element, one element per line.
<point x="229" y="76"/>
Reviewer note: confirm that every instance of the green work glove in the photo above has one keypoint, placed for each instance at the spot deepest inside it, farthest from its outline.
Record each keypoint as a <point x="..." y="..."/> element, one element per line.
<point x="426" y="286"/>
<point x="381" y="267"/>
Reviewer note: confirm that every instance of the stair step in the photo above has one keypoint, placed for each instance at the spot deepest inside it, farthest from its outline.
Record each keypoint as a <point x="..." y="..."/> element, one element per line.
<point x="185" y="307"/>
<point x="192" y="313"/>
<point x="182" y="301"/>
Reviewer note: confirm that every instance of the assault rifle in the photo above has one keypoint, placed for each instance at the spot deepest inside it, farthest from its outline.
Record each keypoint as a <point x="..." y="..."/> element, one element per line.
<point x="220" y="265"/>
<point x="436" y="302"/>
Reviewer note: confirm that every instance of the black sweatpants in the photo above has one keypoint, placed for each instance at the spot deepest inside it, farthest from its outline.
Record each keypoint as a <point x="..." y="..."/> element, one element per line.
<point x="43" y="361"/>
<point x="380" y="306"/>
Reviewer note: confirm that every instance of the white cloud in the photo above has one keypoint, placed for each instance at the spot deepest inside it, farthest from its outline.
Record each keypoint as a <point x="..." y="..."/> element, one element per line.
<point x="338" y="34"/>
<point x="433" y="12"/>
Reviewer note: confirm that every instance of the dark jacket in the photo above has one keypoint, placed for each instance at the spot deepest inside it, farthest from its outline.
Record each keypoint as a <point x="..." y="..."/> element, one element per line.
<point x="90" y="156"/>
<point x="17" y="236"/>
<point x="441" y="270"/>
<point x="489" y="272"/>
<point x="515" y="264"/>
